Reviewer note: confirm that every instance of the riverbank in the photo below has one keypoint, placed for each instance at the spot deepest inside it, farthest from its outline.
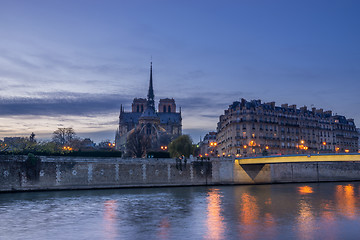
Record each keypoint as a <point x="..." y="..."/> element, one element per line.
<point x="61" y="173"/>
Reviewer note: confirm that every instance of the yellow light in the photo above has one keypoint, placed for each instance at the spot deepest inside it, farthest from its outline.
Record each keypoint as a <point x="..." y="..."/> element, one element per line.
<point x="337" y="149"/>
<point x="302" y="141"/>
<point x="215" y="143"/>
<point x="324" y="143"/>
<point x="253" y="150"/>
<point x="347" y="150"/>
<point x="245" y="146"/>
<point x="206" y="154"/>
<point x="305" y="190"/>
<point x="267" y="147"/>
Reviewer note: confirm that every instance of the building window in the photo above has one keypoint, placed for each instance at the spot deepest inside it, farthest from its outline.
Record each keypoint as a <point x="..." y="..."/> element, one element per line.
<point x="169" y="109"/>
<point x="164" y="108"/>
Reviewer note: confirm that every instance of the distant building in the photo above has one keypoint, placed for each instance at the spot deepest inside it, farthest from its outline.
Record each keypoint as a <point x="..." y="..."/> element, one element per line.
<point x="162" y="125"/>
<point x="255" y="128"/>
<point x="208" y="146"/>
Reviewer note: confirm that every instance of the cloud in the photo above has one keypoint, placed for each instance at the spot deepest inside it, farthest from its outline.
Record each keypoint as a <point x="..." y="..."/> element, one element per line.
<point x="62" y="103"/>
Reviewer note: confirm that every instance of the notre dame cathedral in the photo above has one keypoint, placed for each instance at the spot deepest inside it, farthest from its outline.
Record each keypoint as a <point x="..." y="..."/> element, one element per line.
<point x="161" y="126"/>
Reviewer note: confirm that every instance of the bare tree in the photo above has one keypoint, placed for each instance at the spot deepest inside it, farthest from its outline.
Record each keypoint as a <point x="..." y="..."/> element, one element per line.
<point x="138" y="144"/>
<point x="63" y="136"/>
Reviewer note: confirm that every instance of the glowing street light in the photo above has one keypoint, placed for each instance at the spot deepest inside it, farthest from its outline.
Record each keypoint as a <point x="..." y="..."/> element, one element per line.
<point x="213" y="144"/>
<point x="67" y="148"/>
<point x="163" y="148"/>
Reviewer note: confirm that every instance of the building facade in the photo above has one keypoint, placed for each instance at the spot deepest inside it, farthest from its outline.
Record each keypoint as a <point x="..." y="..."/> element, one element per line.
<point x="161" y="126"/>
<point x="208" y="146"/>
<point x="249" y="128"/>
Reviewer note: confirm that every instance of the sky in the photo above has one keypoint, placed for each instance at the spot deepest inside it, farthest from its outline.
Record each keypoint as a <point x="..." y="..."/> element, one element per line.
<point x="66" y="63"/>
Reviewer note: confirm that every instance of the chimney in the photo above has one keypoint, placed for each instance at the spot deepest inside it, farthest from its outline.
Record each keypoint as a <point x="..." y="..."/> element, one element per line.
<point x="304" y="108"/>
<point x="272" y="104"/>
<point x="293" y="106"/>
<point x="284" y="105"/>
<point x="328" y="112"/>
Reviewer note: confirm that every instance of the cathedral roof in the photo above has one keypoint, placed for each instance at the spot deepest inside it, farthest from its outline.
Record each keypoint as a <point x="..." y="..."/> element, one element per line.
<point x="170" y="117"/>
<point x="149" y="113"/>
<point x="133" y="117"/>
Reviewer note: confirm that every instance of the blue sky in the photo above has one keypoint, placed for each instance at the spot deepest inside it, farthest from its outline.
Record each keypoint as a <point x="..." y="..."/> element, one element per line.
<point x="72" y="63"/>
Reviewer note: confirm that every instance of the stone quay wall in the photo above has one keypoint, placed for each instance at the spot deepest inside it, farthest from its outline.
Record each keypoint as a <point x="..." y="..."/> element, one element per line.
<point x="54" y="173"/>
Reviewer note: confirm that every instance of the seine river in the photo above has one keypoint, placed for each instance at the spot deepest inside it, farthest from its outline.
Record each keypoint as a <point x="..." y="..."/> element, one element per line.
<point x="280" y="211"/>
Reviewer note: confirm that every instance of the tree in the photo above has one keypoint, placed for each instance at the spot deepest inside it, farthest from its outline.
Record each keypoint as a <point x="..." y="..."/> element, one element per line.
<point x="138" y="144"/>
<point x="48" y="147"/>
<point x="63" y="136"/>
<point x="181" y="146"/>
<point x="32" y="137"/>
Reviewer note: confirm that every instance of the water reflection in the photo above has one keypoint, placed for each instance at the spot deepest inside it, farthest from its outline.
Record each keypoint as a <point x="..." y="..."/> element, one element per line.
<point x="328" y="220"/>
<point x="305" y="219"/>
<point x="345" y="199"/>
<point x="215" y="221"/>
<point x="249" y="215"/>
<point x="256" y="216"/>
<point x="110" y="207"/>
<point x="164" y="228"/>
<point x="279" y="211"/>
<point x="305" y="190"/>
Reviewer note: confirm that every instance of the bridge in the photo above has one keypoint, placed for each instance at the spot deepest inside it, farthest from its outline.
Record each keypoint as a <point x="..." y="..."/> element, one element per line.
<point x="297" y="168"/>
<point x="350" y="157"/>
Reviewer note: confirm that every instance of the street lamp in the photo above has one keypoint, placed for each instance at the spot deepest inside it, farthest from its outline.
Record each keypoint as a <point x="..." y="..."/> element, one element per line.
<point x="213" y="145"/>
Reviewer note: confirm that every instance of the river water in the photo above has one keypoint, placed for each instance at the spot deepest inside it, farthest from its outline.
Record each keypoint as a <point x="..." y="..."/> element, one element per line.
<point x="279" y="211"/>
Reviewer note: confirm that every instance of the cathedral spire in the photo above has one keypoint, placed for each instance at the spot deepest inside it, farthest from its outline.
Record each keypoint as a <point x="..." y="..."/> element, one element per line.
<point x="150" y="96"/>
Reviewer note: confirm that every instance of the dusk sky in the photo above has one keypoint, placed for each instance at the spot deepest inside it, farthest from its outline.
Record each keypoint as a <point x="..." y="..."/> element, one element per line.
<point x="71" y="63"/>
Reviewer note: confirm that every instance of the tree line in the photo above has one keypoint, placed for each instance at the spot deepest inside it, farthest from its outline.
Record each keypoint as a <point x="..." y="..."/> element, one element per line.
<point x="65" y="142"/>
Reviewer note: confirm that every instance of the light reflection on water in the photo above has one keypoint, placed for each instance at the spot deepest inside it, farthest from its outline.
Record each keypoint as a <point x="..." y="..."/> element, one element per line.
<point x="215" y="220"/>
<point x="283" y="211"/>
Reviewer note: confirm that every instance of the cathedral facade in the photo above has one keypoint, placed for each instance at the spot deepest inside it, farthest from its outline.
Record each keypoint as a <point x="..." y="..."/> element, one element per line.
<point x="162" y="125"/>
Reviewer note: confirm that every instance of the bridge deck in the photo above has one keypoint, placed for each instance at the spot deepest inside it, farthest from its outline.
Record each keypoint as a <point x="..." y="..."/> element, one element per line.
<point x="300" y="158"/>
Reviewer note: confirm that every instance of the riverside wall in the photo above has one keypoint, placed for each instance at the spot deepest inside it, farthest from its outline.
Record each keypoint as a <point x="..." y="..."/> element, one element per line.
<point x="54" y="173"/>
